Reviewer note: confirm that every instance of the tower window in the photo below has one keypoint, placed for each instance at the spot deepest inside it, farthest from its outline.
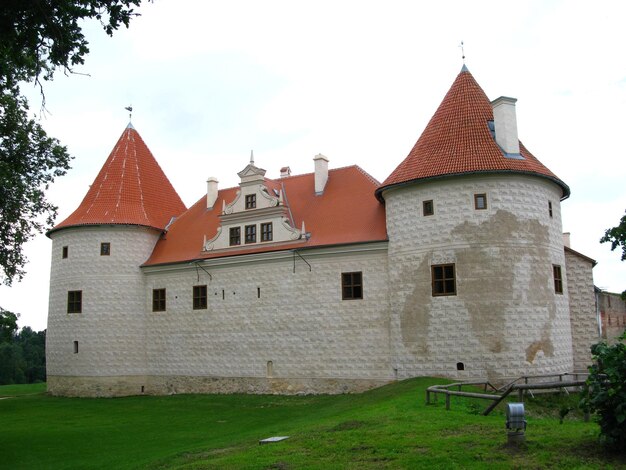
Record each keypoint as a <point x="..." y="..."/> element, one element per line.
<point x="75" y="347"/>
<point x="480" y="201"/>
<point x="550" y="208"/>
<point x="443" y="279"/>
<point x="351" y="286"/>
<point x="266" y="232"/>
<point x="428" y="207"/>
<point x="235" y="236"/>
<point x="250" y="201"/>
<point x="65" y="252"/>
<point x="158" y="300"/>
<point x="199" y="297"/>
<point x="250" y="233"/>
<point x="105" y="249"/>
<point x="558" y="279"/>
<point x="75" y="301"/>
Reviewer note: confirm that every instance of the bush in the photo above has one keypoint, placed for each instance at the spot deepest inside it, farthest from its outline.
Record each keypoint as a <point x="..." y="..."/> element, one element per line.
<point x="606" y="392"/>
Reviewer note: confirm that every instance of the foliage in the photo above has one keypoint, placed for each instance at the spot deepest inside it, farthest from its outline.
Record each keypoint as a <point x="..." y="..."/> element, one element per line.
<point x="606" y="391"/>
<point x="390" y="427"/>
<point x="36" y="39"/>
<point x="23" y="354"/>
<point x="617" y="237"/>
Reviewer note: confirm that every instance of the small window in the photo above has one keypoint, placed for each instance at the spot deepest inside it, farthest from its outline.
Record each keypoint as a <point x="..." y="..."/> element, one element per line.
<point x="250" y="233"/>
<point x="235" y="236"/>
<point x="65" y="252"/>
<point x="75" y="347"/>
<point x="266" y="232"/>
<point x="250" y="201"/>
<point x="199" y="297"/>
<point x="351" y="286"/>
<point x="158" y="300"/>
<point x="550" y="208"/>
<point x="460" y="366"/>
<point x="428" y="207"/>
<point x="443" y="279"/>
<point x="480" y="201"/>
<point x="105" y="249"/>
<point x="75" y="301"/>
<point x="558" y="280"/>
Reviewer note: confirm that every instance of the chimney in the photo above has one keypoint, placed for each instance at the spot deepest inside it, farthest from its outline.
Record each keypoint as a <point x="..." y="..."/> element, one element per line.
<point x="211" y="192"/>
<point x="505" y="123"/>
<point x="566" y="239"/>
<point x="321" y="173"/>
<point x="285" y="171"/>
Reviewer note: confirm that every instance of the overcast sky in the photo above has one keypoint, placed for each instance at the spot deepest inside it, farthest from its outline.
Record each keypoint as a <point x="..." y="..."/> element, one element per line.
<point x="356" y="81"/>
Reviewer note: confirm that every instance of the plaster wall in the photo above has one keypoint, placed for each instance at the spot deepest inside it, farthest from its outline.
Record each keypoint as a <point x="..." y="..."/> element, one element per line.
<point x="506" y="319"/>
<point x="583" y="316"/>
<point x="613" y="315"/>
<point x="110" y="329"/>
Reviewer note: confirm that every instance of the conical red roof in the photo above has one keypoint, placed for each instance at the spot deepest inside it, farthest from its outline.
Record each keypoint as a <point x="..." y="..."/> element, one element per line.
<point x="131" y="189"/>
<point x="457" y="140"/>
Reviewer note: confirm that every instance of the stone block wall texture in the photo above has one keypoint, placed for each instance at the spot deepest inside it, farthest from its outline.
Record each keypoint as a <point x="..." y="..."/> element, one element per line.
<point x="110" y="331"/>
<point x="506" y="319"/>
<point x="583" y="315"/>
<point x="613" y="315"/>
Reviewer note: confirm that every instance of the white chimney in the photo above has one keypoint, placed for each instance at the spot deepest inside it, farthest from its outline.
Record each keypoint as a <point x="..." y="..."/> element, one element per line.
<point x="211" y="192"/>
<point x="285" y="171"/>
<point x="566" y="239"/>
<point x="505" y="124"/>
<point x="321" y="172"/>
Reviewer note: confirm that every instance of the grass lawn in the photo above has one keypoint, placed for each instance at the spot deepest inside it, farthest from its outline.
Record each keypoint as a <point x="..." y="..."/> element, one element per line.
<point x="390" y="427"/>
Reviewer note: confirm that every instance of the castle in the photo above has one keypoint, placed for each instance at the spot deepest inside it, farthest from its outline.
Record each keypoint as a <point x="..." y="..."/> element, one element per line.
<point x="325" y="282"/>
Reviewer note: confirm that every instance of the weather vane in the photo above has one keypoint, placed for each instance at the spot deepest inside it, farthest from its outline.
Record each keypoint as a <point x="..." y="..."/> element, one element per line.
<point x="130" y="112"/>
<point x="462" y="52"/>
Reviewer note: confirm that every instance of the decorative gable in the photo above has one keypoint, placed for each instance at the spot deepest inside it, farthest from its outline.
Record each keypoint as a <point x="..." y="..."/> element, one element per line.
<point x="258" y="215"/>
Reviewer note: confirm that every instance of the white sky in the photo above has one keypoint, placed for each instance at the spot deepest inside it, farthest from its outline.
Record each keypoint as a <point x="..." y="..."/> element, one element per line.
<point x="355" y="80"/>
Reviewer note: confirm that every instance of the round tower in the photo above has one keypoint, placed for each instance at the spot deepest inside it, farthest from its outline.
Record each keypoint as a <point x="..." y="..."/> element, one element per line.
<point x="97" y="308"/>
<point x="476" y="257"/>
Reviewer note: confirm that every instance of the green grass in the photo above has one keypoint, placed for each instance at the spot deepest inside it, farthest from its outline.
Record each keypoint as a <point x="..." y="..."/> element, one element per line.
<point x="390" y="427"/>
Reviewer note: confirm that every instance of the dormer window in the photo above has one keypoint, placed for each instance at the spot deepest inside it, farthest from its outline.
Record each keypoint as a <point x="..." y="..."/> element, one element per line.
<point x="235" y="236"/>
<point x="251" y="201"/>
<point x="250" y="233"/>
<point x="266" y="232"/>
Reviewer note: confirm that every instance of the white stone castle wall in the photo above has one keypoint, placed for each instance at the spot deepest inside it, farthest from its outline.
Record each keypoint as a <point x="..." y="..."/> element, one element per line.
<point x="582" y="301"/>
<point x="506" y="319"/>
<point x="300" y="322"/>
<point x="110" y="329"/>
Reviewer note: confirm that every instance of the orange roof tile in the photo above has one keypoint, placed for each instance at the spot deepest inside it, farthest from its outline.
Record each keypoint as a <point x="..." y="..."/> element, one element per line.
<point x="457" y="140"/>
<point x="347" y="212"/>
<point x="131" y="189"/>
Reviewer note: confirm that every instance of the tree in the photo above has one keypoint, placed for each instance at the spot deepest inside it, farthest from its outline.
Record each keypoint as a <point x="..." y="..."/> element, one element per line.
<point x="606" y="391"/>
<point x="37" y="38"/>
<point x="8" y="325"/>
<point x="617" y="237"/>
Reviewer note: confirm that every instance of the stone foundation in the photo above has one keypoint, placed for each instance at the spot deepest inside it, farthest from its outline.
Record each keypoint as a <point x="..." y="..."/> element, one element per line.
<point x="171" y="385"/>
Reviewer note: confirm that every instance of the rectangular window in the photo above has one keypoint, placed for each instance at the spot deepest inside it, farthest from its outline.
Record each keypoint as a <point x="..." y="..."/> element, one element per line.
<point x="443" y="279"/>
<point x="65" y="251"/>
<point x="199" y="297"/>
<point x="550" y="208"/>
<point x="75" y="301"/>
<point x="351" y="286"/>
<point x="75" y="347"/>
<point x="105" y="249"/>
<point x="158" y="300"/>
<point x="250" y="233"/>
<point x="429" y="208"/>
<point x="266" y="232"/>
<point x="250" y="201"/>
<point x="480" y="201"/>
<point x="235" y="236"/>
<point x="558" y="280"/>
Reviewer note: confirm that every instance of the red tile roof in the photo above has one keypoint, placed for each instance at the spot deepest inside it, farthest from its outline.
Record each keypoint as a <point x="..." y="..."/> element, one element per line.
<point x="457" y="140"/>
<point x="347" y="212"/>
<point x="131" y="189"/>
